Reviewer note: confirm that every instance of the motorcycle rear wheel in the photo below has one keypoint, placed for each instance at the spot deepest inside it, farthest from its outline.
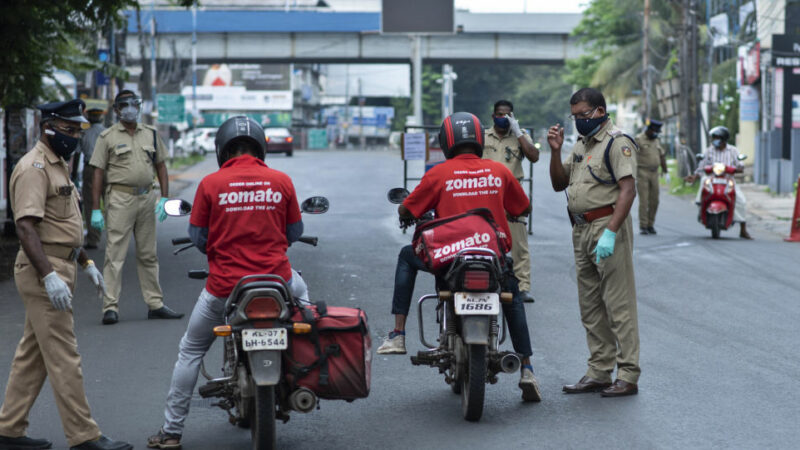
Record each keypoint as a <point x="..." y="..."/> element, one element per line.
<point x="473" y="386"/>
<point x="262" y="427"/>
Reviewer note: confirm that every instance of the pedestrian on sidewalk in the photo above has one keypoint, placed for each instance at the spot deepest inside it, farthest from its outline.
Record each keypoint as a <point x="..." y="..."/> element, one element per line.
<point x="649" y="156"/>
<point x="127" y="156"/>
<point x="45" y="205"/>
<point x="507" y="144"/>
<point x="721" y="152"/>
<point x="598" y="177"/>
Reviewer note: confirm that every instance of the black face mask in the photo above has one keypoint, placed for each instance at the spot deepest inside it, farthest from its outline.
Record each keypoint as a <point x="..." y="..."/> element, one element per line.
<point x="62" y="145"/>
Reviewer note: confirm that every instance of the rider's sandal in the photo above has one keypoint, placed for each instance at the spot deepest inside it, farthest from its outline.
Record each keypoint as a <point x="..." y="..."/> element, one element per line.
<point x="164" y="440"/>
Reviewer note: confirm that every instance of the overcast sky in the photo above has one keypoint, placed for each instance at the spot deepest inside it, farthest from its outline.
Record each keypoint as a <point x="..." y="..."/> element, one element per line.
<point x="520" y="5"/>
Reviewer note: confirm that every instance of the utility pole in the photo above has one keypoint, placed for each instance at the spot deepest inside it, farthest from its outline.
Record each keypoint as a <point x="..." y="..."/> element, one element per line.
<point x="416" y="66"/>
<point x="689" y="130"/>
<point x="346" y="105"/>
<point x="447" y="89"/>
<point x="153" y="79"/>
<point x="361" y="139"/>
<point x="646" y="59"/>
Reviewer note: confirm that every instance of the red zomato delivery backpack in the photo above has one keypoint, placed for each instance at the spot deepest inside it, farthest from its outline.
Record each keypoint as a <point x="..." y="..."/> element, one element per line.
<point x="334" y="360"/>
<point x="438" y="241"/>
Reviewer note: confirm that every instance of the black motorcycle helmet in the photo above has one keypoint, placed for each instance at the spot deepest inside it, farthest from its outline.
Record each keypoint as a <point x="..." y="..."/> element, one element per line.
<point x="460" y="129"/>
<point x="720" y="132"/>
<point x="239" y="128"/>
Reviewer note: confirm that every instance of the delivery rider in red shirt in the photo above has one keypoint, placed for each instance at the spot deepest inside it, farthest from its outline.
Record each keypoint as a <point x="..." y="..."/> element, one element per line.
<point x="442" y="189"/>
<point x="244" y="217"/>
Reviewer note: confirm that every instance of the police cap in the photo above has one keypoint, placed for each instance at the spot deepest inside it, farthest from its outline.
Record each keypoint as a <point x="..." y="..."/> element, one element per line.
<point x="654" y="125"/>
<point x="71" y="110"/>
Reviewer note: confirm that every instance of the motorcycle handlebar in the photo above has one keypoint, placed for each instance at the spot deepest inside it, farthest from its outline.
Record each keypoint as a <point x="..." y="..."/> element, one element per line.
<point x="310" y="240"/>
<point x="181" y="241"/>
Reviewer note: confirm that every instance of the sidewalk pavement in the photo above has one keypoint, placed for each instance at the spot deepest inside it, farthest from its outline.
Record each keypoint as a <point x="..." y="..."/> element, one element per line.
<point x="767" y="211"/>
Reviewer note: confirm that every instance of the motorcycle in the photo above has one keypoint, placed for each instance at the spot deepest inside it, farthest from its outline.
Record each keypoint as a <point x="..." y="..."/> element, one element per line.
<point x="259" y="327"/>
<point x="717" y="197"/>
<point x="470" y="323"/>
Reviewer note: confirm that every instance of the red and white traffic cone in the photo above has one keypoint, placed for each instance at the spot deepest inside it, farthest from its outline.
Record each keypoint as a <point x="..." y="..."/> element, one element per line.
<point x="794" y="230"/>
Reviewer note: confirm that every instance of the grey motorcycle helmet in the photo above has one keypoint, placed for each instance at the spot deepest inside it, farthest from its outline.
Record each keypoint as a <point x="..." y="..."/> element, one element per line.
<point x="720" y="132"/>
<point x="239" y="128"/>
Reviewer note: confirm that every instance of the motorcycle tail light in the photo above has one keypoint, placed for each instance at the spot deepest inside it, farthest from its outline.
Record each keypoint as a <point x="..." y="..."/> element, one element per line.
<point x="476" y="280"/>
<point x="289" y="139"/>
<point x="263" y="308"/>
<point x="223" y="330"/>
<point x="266" y="138"/>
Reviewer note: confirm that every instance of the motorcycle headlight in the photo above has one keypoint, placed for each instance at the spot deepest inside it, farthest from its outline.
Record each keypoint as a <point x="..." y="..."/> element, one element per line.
<point x="718" y="169"/>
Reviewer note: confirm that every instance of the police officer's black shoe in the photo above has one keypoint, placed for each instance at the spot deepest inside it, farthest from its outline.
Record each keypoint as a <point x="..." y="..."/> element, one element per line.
<point x="526" y="296"/>
<point x="651" y="230"/>
<point x="643" y="230"/>
<point x="24" y="442"/>
<point x="110" y="317"/>
<point x="163" y="313"/>
<point x="103" y="443"/>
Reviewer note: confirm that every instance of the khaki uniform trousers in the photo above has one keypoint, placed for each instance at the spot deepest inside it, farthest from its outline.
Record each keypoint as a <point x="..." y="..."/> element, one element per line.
<point x="520" y="254"/>
<point x="127" y="215"/>
<point x="648" y="190"/>
<point x="93" y="234"/>
<point x="607" y="298"/>
<point x="48" y="348"/>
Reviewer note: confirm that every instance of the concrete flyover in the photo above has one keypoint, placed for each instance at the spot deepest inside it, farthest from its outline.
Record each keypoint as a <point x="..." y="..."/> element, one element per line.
<point x="269" y="36"/>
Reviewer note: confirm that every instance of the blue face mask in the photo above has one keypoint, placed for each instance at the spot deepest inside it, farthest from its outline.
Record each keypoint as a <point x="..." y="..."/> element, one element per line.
<point x="717" y="143"/>
<point x="588" y="127"/>
<point x="501" y="122"/>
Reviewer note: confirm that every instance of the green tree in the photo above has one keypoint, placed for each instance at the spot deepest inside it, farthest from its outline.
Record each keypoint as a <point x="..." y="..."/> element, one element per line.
<point x="39" y="36"/>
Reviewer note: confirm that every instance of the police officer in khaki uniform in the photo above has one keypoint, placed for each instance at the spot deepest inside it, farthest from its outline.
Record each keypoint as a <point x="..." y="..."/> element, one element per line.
<point x="506" y="143"/>
<point x="128" y="155"/>
<point x="649" y="157"/>
<point x="600" y="193"/>
<point x="45" y="205"/>
<point x="86" y="147"/>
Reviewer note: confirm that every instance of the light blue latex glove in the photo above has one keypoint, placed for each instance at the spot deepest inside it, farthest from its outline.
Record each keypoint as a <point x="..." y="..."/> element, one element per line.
<point x="160" y="212"/>
<point x="605" y="246"/>
<point x="97" y="220"/>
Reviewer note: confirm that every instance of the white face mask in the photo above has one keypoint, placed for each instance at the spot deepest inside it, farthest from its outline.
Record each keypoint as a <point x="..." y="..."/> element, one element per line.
<point x="129" y="114"/>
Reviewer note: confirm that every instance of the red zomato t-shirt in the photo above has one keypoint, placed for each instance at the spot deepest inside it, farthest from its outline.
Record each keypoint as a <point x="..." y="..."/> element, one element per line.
<point x="246" y="207"/>
<point x="467" y="182"/>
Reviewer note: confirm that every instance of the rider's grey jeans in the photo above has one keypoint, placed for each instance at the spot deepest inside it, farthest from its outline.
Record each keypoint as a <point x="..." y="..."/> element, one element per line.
<point x="208" y="312"/>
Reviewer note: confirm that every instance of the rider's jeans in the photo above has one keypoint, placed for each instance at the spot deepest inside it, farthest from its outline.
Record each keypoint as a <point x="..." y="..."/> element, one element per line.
<point x="208" y="312"/>
<point x="405" y="277"/>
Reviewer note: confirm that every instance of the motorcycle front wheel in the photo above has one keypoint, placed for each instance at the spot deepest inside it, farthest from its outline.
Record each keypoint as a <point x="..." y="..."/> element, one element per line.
<point x="716" y="225"/>
<point x="262" y="426"/>
<point x="473" y="386"/>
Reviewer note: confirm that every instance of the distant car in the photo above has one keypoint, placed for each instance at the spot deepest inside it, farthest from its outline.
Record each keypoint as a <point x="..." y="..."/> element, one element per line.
<point x="279" y="140"/>
<point x="199" y="140"/>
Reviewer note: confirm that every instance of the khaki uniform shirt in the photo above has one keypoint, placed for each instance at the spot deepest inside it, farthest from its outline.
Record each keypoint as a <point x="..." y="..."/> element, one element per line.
<point x="584" y="191"/>
<point x="650" y="152"/>
<point x="40" y="187"/>
<point x="126" y="159"/>
<point x="505" y="150"/>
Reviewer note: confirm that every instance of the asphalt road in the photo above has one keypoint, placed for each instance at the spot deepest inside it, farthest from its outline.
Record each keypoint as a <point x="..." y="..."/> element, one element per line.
<point x="718" y="322"/>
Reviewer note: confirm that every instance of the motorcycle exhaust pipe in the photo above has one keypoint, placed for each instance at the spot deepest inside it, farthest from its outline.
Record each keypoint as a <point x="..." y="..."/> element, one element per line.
<point x="510" y="363"/>
<point x="302" y="400"/>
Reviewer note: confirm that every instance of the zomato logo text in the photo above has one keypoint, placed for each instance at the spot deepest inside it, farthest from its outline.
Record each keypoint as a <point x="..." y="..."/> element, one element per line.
<point x="476" y="240"/>
<point x="473" y="183"/>
<point x="259" y="196"/>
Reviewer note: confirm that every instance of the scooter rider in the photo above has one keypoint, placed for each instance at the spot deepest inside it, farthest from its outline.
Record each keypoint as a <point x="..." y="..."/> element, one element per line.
<point x="462" y="140"/>
<point x="244" y="217"/>
<point x="721" y="152"/>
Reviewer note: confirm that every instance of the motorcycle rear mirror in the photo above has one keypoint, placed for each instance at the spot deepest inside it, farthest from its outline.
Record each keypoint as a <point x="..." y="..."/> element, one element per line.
<point x="699" y="156"/>
<point x="741" y="157"/>
<point x="315" y="205"/>
<point x="397" y="195"/>
<point x="177" y="207"/>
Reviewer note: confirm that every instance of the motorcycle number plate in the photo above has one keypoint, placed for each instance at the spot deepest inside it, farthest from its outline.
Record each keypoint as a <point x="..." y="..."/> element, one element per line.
<point x="719" y="181"/>
<point x="264" y="339"/>
<point x="477" y="303"/>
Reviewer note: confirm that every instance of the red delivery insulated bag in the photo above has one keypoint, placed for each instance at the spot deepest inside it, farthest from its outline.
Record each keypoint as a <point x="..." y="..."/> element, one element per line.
<point x="437" y="242"/>
<point x="334" y="360"/>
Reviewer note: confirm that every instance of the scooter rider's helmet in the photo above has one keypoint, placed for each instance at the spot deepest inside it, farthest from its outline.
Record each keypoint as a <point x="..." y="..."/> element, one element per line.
<point x="458" y="130"/>
<point x="720" y="132"/>
<point x="236" y="129"/>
